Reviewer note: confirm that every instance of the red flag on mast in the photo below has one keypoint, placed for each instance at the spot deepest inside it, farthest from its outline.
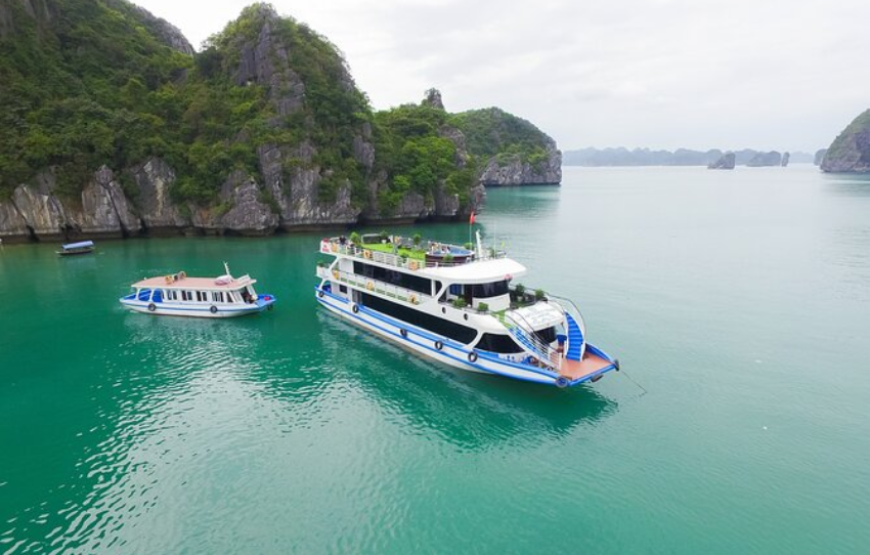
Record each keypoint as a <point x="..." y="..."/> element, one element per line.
<point x="471" y="218"/>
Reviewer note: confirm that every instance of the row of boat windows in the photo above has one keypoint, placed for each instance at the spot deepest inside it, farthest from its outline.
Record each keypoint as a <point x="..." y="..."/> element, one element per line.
<point x="492" y="342"/>
<point x="423" y="285"/>
<point x="393" y="277"/>
<point x="200" y="296"/>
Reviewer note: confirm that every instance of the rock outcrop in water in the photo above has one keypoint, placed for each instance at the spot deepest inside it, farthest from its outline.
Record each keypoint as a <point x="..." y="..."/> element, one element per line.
<point x="765" y="159"/>
<point x="819" y="156"/>
<point x="726" y="162"/>
<point x="850" y="151"/>
<point x="785" y="158"/>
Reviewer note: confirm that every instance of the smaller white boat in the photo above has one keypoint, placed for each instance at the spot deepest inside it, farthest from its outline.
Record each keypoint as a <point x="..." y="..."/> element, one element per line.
<point x="179" y="295"/>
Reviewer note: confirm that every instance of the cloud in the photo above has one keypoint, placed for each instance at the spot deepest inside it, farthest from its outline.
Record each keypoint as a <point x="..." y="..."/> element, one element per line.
<point x="657" y="73"/>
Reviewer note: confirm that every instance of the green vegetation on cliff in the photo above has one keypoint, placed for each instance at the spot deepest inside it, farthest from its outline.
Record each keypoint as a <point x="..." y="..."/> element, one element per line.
<point x="493" y="132"/>
<point x="70" y="77"/>
<point x="87" y="83"/>
<point x="416" y="157"/>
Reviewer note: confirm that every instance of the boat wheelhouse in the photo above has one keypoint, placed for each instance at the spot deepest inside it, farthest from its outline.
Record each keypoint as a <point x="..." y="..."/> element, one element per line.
<point x="72" y="249"/>
<point x="179" y="295"/>
<point x="457" y="305"/>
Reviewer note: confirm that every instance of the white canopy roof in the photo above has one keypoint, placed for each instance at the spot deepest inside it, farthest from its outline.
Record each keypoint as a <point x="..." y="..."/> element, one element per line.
<point x="486" y="271"/>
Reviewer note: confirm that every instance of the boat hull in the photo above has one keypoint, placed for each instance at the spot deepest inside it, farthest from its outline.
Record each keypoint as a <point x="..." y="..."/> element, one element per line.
<point x="447" y="351"/>
<point x="264" y="302"/>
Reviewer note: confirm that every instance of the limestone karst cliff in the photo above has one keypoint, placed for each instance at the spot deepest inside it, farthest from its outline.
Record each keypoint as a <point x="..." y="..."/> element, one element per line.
<point x="725" y="162"/>
<point x="112" y="125"/>
<point x="850" y="151"/>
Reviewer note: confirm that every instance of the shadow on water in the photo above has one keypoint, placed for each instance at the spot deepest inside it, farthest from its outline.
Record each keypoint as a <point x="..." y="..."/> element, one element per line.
<point x="469" y="410"/>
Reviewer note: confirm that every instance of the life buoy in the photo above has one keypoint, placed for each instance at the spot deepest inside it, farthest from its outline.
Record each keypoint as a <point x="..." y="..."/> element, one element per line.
<point x="562" y="382"/>
<point x="413" y="265"/>
<point x="355" y="308"/>
<point x="412" y="299"/>
<point x="370" y="285"/>
<point x="334" y="247"/>
<point x="472" y="357"/>
<point x="439" y="345"/>
<point x="152" y="307"/>
<point x="367" y="253"/>
<point x="182" y="274"/>
<point x="213" y="309"/>
<point x="403" y="333"/>
<point x="169" y="279"/>
<point x="320" y="294"/>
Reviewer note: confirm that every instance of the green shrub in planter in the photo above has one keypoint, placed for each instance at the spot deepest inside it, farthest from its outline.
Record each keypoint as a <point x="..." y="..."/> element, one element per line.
<point x="459" y="303"/>
<point x="483" y="307"/>
<point x="539" y="294"/>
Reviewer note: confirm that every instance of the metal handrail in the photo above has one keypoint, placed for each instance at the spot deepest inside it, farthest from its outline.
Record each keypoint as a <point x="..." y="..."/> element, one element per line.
<point x="334" y="246"/>
<point x="571" y="307"/>
<point x="552" y="356"/>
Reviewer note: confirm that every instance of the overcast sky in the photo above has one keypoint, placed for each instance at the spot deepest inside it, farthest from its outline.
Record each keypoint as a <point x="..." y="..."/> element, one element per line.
<point x="764" y="74"/>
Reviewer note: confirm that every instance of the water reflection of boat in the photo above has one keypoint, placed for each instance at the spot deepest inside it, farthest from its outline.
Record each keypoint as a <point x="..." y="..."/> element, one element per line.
<point x="454" y="405"/>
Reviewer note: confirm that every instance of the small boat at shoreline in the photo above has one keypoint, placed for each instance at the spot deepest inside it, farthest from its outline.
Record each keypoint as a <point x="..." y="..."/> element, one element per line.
<point x="180" y="295"/>
<point x="457" y="305"/>
<point x="73" y="249"/>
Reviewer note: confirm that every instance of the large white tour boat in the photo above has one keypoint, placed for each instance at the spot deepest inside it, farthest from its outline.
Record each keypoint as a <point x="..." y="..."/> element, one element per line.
<point x="179" y="295"/>
<point x="457" y="305"/>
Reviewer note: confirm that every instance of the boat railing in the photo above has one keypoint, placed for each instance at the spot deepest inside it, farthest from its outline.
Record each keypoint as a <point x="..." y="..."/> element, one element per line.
<point x="568" y="306"/>
<point x="524" y="332"/>
<point x="336" y="246"/>
<point x="374" y="286"/>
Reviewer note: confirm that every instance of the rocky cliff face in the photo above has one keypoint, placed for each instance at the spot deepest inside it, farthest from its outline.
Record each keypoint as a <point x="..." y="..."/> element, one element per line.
<point x="726" y="162"/>
<point x="820" y="156"/>
<point x="785" y="158"/>
<point x="299" y="180"/>
<point x="514" y="171"/>
<point x="850" y="151"/>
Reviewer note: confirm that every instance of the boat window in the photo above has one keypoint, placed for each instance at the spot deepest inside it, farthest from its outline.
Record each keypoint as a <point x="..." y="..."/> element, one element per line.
<point x="170" y="295"/>
<point x="487" y="290"/>
<point x="186" y="296"/>
<point x="456" y="289"/>
<point x="217" y="296"/>
<point x="394" y="277"/>
<point x="230" y="296"/>
<point x="434" y="324"/>
<point x="498" y="343"/>
<point x="342" y="289"/>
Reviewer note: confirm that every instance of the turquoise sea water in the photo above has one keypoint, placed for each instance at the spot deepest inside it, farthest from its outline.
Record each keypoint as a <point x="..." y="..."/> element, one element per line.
<point x="739" y="300"/>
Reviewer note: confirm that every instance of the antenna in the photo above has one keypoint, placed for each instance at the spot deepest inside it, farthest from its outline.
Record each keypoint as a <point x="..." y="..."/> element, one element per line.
<point x="227" y="268"/>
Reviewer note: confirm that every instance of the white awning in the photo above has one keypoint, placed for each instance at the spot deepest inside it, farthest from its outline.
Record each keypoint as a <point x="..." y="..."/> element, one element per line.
<point x="486" y="271"/>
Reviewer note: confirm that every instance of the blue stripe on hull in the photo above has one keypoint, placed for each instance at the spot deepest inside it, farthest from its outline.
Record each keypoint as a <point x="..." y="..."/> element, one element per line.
<point x="537" y="375"/>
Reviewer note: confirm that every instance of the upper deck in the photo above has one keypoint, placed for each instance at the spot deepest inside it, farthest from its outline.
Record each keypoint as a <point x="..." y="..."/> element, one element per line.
<point x="439" y="261"/>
